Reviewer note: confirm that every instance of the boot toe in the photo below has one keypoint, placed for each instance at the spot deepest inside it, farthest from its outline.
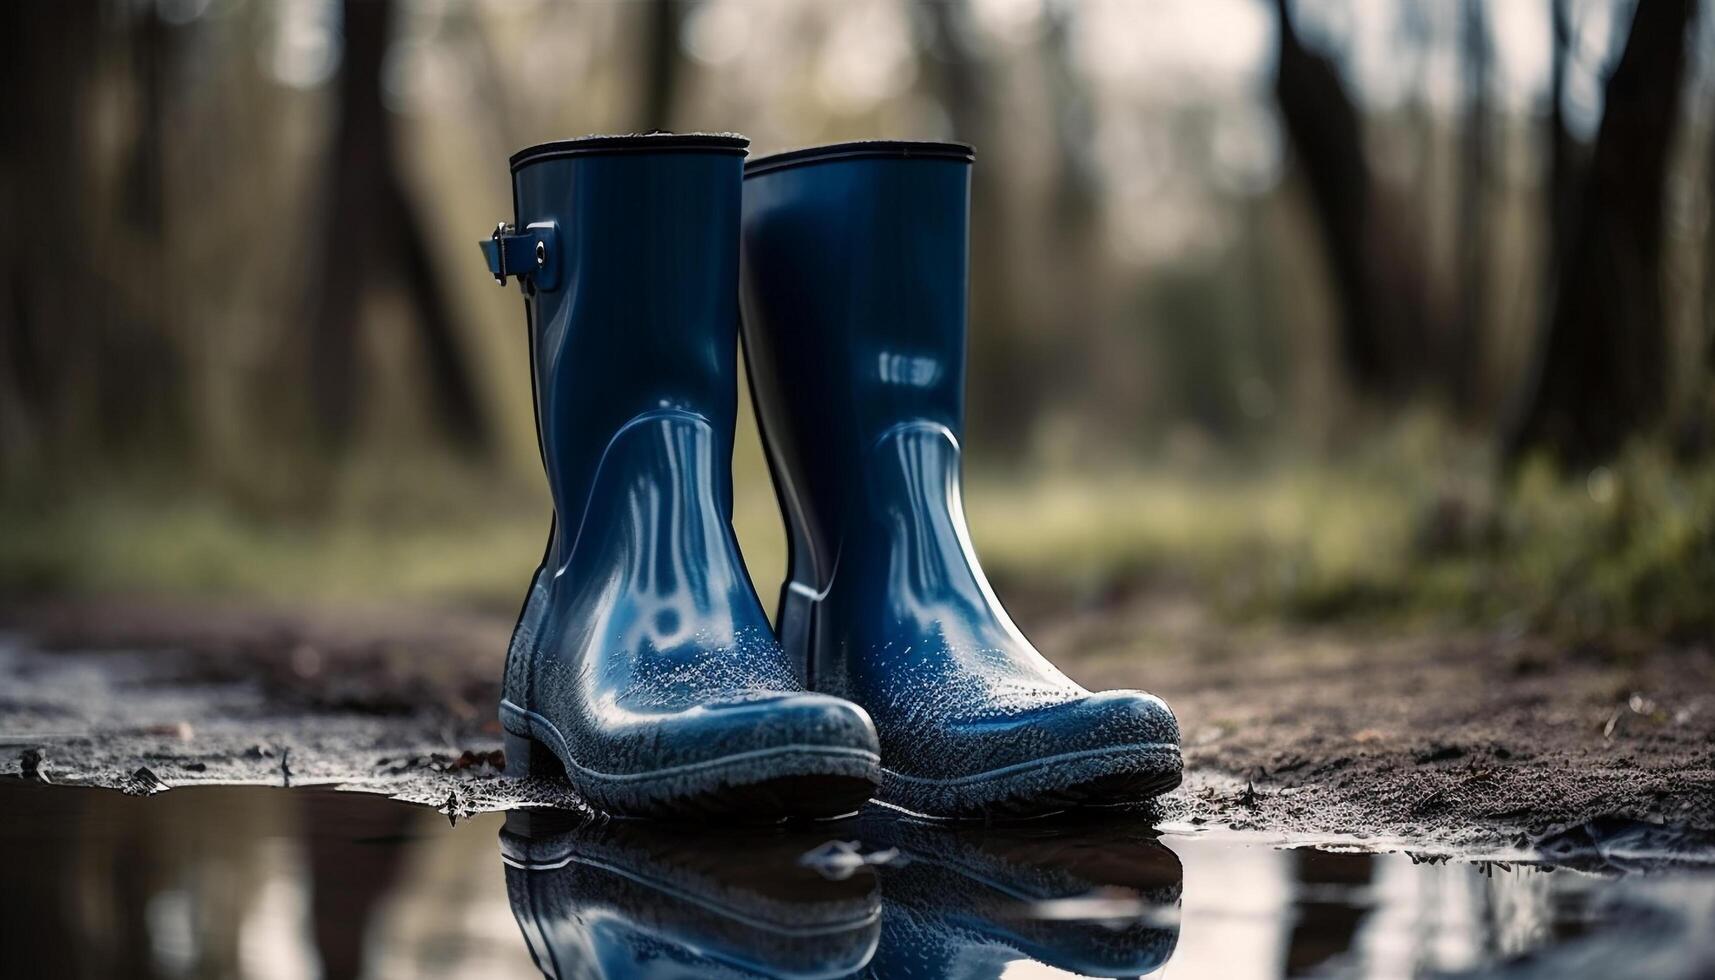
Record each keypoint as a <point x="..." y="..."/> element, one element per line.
<point x="760" y="758"/>
<point x="782" y="721"/>
<point x="746" y="756"/>
<point x="1114" y="719"/>
<point x="1103" y="748"/>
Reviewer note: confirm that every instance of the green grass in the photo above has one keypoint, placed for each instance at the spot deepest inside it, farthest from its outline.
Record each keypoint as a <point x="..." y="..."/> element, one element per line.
<point x="203" y="546"/>
<point x="407" y="529"/>
<point x="1623" y="553"/>
<point x="1414" y="526"/>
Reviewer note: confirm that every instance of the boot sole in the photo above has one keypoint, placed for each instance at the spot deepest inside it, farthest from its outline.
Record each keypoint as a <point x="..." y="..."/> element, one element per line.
<point x="761" y="786"/>
<point x="1118" y="776"/>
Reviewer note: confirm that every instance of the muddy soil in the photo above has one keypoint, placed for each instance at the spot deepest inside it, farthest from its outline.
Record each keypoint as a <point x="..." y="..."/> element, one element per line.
<point x="1433" y="738"/>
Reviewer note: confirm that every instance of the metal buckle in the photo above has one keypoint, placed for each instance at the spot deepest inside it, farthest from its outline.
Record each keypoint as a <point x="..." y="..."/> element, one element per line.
<point x="501" y="230"/>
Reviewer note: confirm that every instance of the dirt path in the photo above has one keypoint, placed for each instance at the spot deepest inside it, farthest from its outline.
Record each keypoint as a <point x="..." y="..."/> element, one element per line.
<point x="1443" y="741"/>
<point x="1433" y="737"/>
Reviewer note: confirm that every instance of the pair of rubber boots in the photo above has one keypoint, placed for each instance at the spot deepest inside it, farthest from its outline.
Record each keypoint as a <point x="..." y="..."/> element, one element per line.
<point x="643" y="665"/>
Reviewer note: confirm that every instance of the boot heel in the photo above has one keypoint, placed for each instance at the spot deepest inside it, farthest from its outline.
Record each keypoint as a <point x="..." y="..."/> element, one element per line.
<point x="527" y="757"/>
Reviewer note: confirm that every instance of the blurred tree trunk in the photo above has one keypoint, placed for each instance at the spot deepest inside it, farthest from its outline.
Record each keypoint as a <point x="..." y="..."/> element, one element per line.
<point x="1601" y="370"/>
<point x="371" y="226"/>
<point x="661" y="61"/>
<point x="1465" y="344"/>
<point x="1420" y="44"/>
<point x="88" y="364"/>
<point x="1709" y="251"/>
<point x="1381" y="294"/>
<point x="142" y="399"/>
<point x="143" y="203"/>
<point x="1326" y="938"/>
<point x="1077" y="178"/>
<point x="1697" y="433"/>
<point x="1074" y="232"/>
<point x="1002" y="390"/>
<point x="349" y="884"/>
<point x="1564" y="153"/>
<point x="45" y="291"/>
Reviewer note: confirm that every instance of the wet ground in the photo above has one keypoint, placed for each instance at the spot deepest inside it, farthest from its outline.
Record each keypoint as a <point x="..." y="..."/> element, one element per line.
<point x="1452" y="741"/>
<point x="1358" y="801"/>
<point x="269" y="882"/>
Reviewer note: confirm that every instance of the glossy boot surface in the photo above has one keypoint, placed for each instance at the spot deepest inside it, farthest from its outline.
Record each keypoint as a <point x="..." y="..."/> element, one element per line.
<point x="628" y="899"/>
<point x="854" y="278"/>
<point x="642" y="664"/>
<point x="1095" y="898"/>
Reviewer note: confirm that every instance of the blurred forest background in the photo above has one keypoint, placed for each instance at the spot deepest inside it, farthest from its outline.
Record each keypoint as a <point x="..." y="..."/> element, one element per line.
<point x="1314" y="308"/>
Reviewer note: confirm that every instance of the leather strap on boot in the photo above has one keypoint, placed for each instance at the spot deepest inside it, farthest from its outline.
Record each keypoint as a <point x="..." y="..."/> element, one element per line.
<point x="531" y="255"/>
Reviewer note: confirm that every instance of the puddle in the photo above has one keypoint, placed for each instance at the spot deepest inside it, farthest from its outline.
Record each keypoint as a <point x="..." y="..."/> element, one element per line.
<point x="253" y="881"/>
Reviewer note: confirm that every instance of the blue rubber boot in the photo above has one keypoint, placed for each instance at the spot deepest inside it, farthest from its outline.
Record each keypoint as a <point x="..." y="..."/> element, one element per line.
<point x="625" y="899"/>
<point x="643" y="664"/>
<point x="853" y="283"/>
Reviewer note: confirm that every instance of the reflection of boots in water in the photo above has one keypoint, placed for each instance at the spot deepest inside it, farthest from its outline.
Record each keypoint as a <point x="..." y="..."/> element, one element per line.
<point x="628" y="899"/>
<point x="1100" y="900"/>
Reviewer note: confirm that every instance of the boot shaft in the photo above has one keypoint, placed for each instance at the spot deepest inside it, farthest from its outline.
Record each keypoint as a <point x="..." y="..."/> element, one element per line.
<point x="854" y="281"/>
<point x="633" y="308"/>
